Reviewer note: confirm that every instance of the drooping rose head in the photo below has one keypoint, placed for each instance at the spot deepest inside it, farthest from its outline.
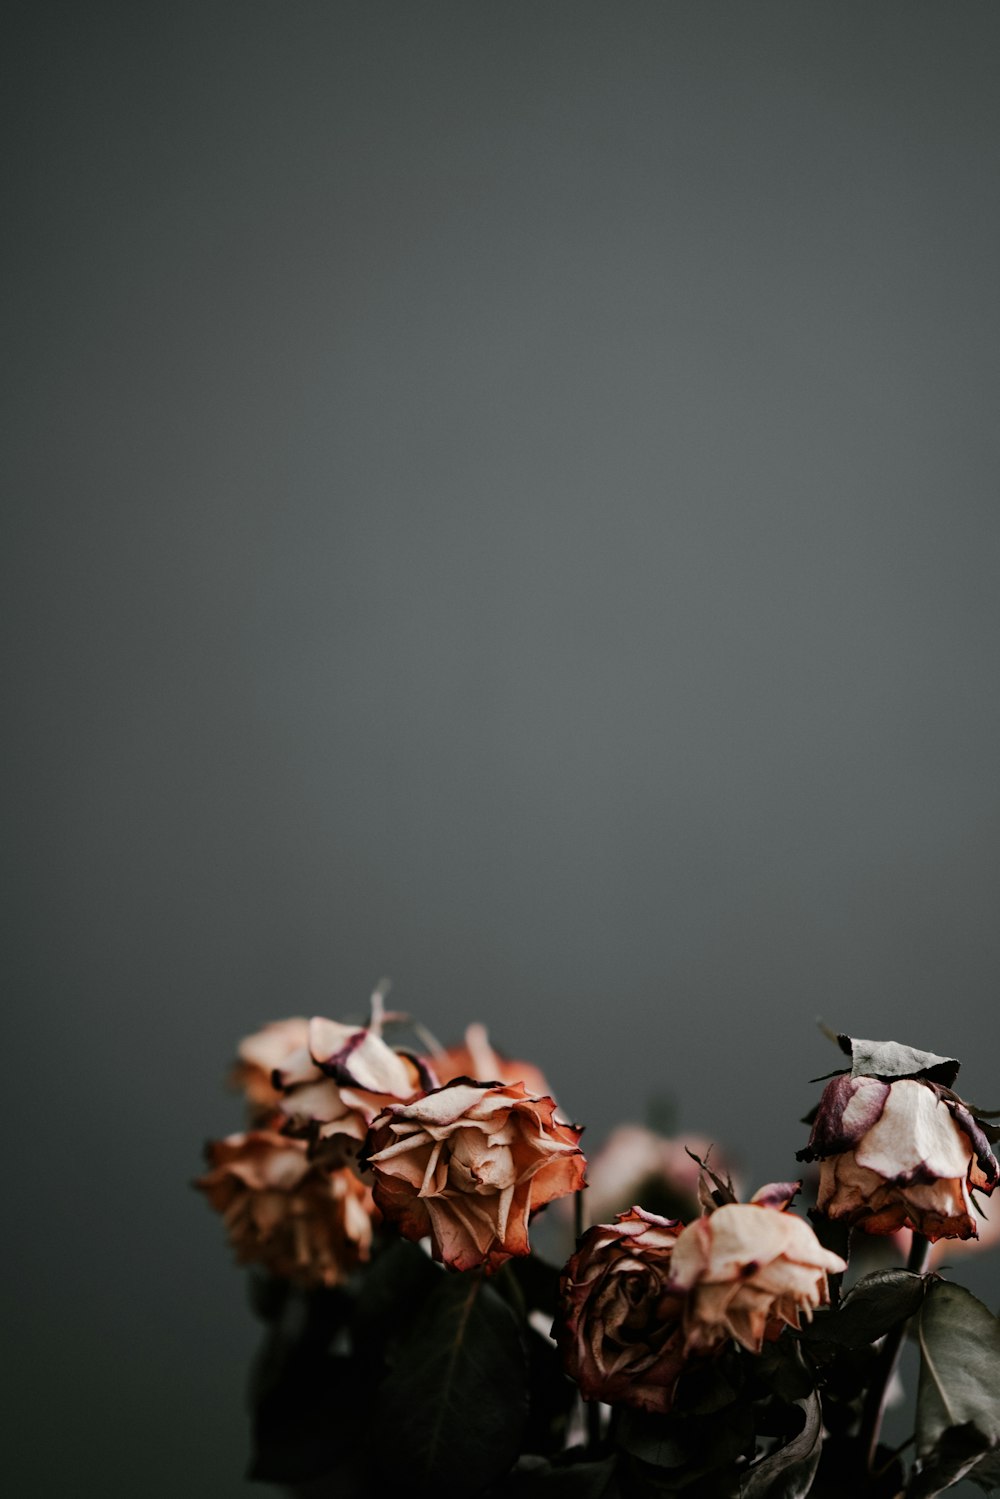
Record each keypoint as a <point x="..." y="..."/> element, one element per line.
<point x="259" y="1055"/>
<point x="748" y="1270"/>
<point x="619" y="1327"/>
<point x="468" y="1164"/>
<point x="284" y="1212"/>
<point x="335" y="1085"/>
<point x="477" y="1058"/>
<point x="899" y="1151"/>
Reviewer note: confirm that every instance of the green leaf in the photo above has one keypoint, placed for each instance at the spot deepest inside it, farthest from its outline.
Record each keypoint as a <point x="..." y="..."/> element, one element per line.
<point x="958" y="1397"/>
<point x="452" y="1410"/>
<point x="681" y="1450"/>
<point x="877" y="1303"/>
<point x="789" y="1472"/>
<point x="393" y="1288"/>
<point x="561" y="1479"/>
<point x="538" y="1281"/>
<point x="891" y="1059"/>
<point x="956" y="1456"/>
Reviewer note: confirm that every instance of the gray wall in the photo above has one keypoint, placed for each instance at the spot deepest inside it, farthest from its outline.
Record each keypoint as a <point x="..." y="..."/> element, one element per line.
<point x="499" y="495"/>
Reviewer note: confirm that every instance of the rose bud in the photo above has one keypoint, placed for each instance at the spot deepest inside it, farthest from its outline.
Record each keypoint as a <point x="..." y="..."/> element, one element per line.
<point x="749" y="1269"/>
<point x="284" y="1212"/>
<point x="259" y="1055"/>
<point x="477" y="1059"/>
<point x="901" y="1153"/>
<point x="333" y="1087"/>
<point x="637" y="1165"/>
<point x="619" y="1325"/>
<point x="468" y="1164"/>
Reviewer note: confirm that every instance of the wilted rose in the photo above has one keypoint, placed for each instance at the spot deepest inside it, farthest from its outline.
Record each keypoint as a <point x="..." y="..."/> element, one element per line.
<point x="899" y="1154"/>
<point x="334" y="1086"/>
<point x="468" y="1164"/>
<point x="259" y="1055"/>
<point x="620" y="1321"/>
<point x="478" y="1059"/>
<point x="749" y="1269"/>
<point x="286" y="1213"/>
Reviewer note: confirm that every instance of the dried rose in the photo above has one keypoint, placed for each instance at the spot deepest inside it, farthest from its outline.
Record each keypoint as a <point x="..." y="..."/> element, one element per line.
<point x="286" y="1213"/>
<point x="468" y="1164"/>
<point x="900" y="1153"/>
<point x="749" y="1269"/>
<point x="259" y="1055"/>
<point x="619" y="1326"/>
<point x="333" y="1087"/>
<point x="476" y="1058"/>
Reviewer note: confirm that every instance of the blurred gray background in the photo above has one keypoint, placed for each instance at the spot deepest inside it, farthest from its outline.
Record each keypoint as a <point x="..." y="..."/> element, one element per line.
<point x="502" y="495"/>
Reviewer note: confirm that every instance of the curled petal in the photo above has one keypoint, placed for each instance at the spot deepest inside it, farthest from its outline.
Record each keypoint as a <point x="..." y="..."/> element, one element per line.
<point x="914" y="1164"/>
<point x="747" y="1271"/>
<point x="467" y="1164"/>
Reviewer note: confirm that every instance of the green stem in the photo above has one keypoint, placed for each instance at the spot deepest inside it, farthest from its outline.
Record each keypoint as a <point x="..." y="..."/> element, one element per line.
<point x="874" y="1406"/>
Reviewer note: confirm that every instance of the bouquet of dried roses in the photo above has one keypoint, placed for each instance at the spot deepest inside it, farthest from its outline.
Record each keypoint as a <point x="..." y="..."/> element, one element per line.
<point x="691" y="1343"/>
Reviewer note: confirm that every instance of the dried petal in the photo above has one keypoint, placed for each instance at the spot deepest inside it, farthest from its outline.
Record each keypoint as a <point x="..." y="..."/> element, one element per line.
<point x="467" y="1164"/>
<point x="748" y="1271"/>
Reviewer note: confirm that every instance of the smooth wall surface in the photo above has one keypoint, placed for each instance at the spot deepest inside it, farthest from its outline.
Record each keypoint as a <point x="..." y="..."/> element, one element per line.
<point x="499" y="495"/>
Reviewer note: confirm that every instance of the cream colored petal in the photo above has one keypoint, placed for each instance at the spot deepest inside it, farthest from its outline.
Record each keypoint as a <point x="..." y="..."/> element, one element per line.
<point x="297" y="1068"/>
<point x="445" y="1107"/>
<point x="456" y="1243"/>
<point x="914" y="1130"/>
<point x="503" y="1211"/>
<point x="409" y="1165"/>
<point x="404" y="1147"/>
<point x="428" y="1185"/>
<point x="328" y="1037"/>
<point x="690" y="1257"/>
<point x="274" y="1044"/>
<point x="319" y="1101"/>
<point x="373" y="1065"/>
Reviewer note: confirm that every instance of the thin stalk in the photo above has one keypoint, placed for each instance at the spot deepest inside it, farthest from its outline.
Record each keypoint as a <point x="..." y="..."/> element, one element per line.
<point x="874" y="1406"/>
<point x="592" y="1408"/>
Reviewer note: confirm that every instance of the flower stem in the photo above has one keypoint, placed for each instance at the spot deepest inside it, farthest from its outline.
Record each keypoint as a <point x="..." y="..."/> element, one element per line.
<point x="874" y="1406"/>
<point x="578" y="1216"/>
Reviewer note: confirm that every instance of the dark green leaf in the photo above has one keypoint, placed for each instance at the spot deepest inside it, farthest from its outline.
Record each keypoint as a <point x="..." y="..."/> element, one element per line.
<point x="560" y="1480"/>
<point x="538" y="1280"/>
<point x="958" y="1398"/>
<point x="891" y="1059"/>
<point x="451" y="1412"/>
<point x="874" y="1305"/>
<point x="788" y="1473"/>
<point x="781" y="1371"/>
<point x="552" y="1396"/>
<point x="682" y="1449"/>
<point x="661" y="1441"/>
<point x="957" y="1455"/>
<point x="392" y="1291"/>
<point x="708" y="1385"/>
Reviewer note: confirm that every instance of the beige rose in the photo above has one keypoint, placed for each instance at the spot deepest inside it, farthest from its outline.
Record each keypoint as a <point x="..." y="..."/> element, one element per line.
<point x="260" y="1055"/>
<point x="899" y="1154"/>
<point x="467" y="1165"/>
<point x="620" y="1321"/>
<point x="478" y="1060"/>
<point x="334" y="1086"/>
<point x="284" y="1212"/>
<point x="748" y="1270"/>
